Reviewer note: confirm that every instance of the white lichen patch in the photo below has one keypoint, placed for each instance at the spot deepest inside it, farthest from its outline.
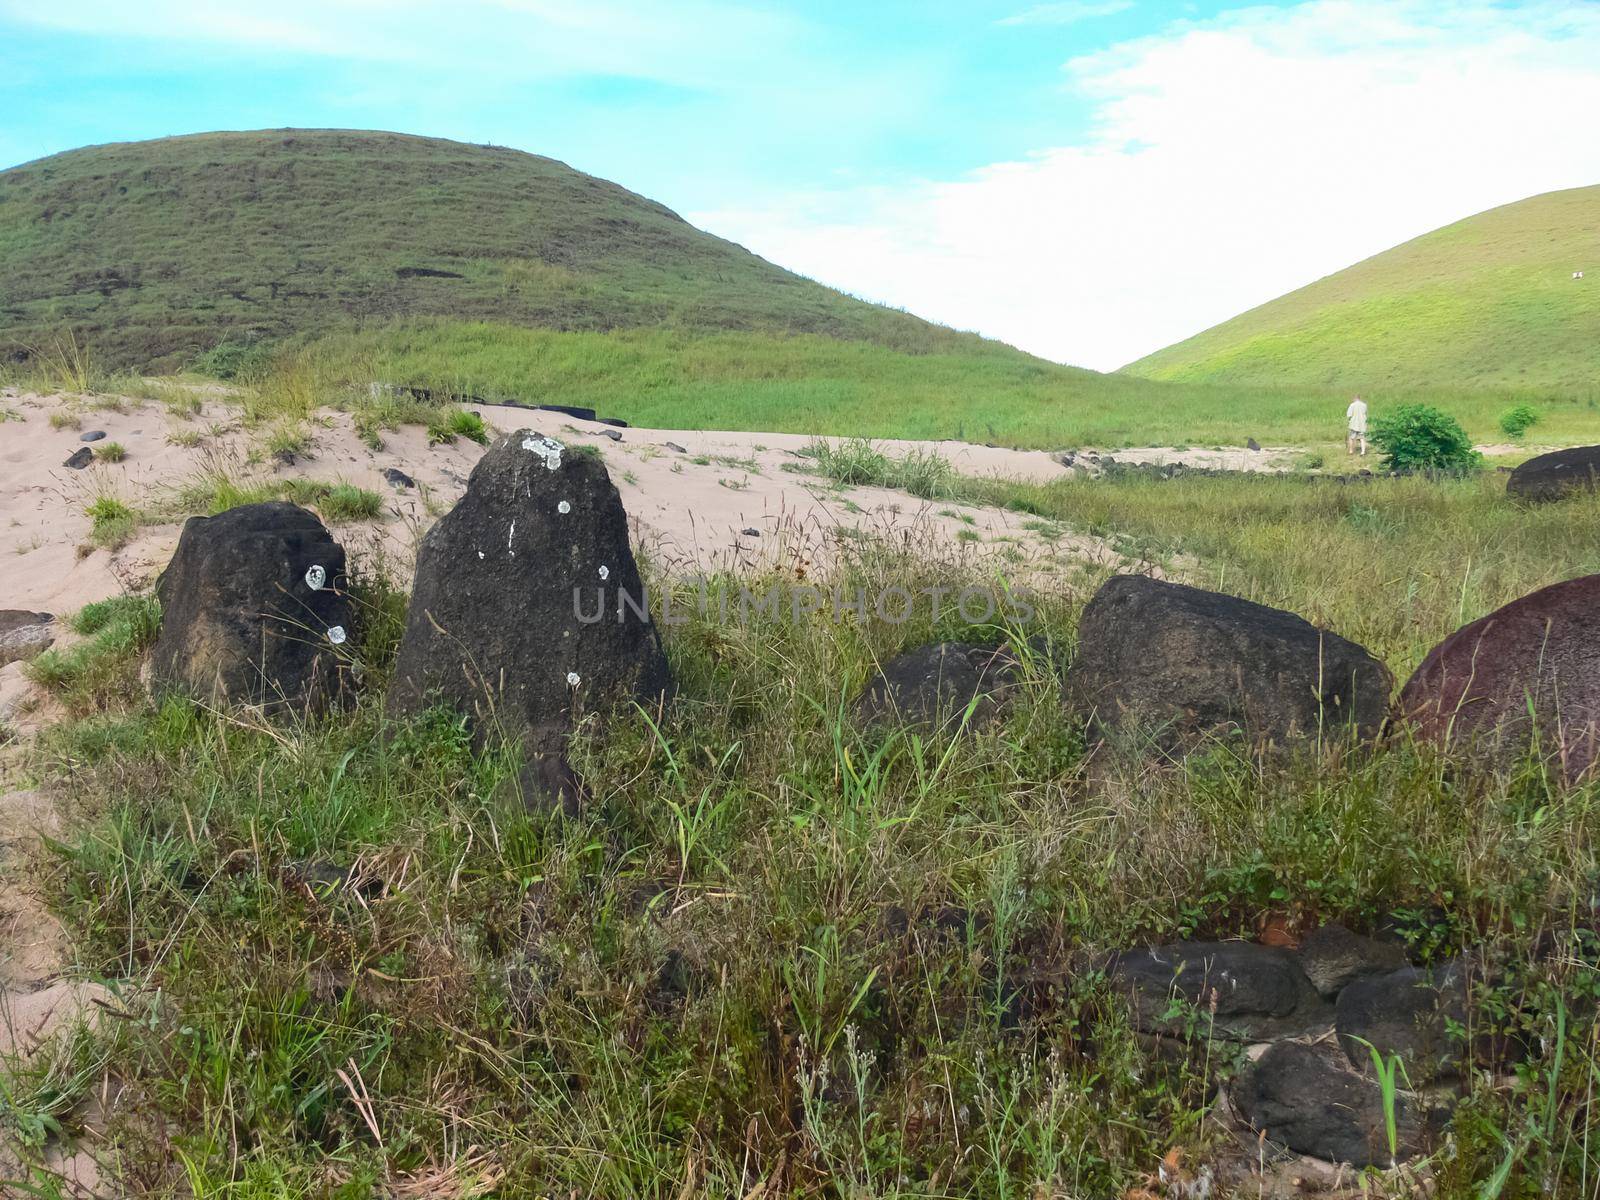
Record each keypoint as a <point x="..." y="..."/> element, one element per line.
<point x="572" y="679"/>
<point x="563" y="508"/>
<point x="336" y="634"/>
<point x="316" y="576"/>
<point x="511" y="533"/>
<point x="605" y="572"/>
<point x="546" y="448"/>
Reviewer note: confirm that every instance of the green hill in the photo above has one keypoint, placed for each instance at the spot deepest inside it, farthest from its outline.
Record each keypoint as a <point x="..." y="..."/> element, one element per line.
<point x="1487" y="302"/>
<point x="152" y="251"/>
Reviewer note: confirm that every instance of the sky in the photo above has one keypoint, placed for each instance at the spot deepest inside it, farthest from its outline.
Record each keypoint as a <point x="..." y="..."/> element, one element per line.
<point x="1089" y="180"/>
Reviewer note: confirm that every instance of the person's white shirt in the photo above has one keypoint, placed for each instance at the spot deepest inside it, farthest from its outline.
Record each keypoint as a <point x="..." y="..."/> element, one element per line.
<point x="1356" y="415"/>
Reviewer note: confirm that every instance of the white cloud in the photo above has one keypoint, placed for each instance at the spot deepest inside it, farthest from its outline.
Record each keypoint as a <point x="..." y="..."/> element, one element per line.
<point x="1069" y="12"/>
<point x="1231" y="160"/>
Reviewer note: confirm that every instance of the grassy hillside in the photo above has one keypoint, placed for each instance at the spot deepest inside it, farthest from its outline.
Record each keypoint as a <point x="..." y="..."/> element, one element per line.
<point x="1488" y="301"/>
<point x="809" y="384"/>
<point x="152" y="251"/>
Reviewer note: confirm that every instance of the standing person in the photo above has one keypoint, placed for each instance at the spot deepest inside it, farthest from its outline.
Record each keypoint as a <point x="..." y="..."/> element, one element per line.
<point x="1355" y="418"/>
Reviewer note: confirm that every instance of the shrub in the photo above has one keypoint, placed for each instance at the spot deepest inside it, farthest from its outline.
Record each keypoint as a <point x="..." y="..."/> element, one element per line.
<point x="1518" y="419"/>
<point x="1419" y="437"/>
<point x="235" y="360"/>
<point x="111" y="452"/>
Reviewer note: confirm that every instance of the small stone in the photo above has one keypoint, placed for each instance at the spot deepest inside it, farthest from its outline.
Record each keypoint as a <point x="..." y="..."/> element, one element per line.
<point x="675" y="448"/>
<point x="80" y="458"/>
<point x="933" y="686"/>
<point x="397" y="479"/>
<point x="612" y="434"/>
<point x="94" y="435"/>
<point x="751" y="532"/>
<point x="1252" y="444"/>
<point x="24" y="634"/>
<point x="284" y="458"/>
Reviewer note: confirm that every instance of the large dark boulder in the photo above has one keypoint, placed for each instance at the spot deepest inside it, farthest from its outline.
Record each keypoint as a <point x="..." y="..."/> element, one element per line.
<point x="1180" y="663"/>
<point x="932" y="686"/>
<point x="1304" y="1098"/>
<point x="528" y="608"/>
<point x="254" y="610"/>
<point x="1532" y="665"/>
<point x="1253" y="992"/>
<point x="1409" y="1012"/>
<point x="1556" y="475"/>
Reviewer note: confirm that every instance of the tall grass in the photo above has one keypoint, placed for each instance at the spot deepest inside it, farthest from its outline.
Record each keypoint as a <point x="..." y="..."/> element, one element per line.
<point x="778" y="950"/>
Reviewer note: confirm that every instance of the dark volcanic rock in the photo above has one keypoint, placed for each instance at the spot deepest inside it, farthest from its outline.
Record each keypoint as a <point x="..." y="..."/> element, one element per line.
<point x="525" y="610"/>
<point x="1332" y="957"/>
<point x="1556" y="475"/>
<point x="1252" y="444"/>
<point x="254" y="611"/>
<point x="397" y="478"/>
<point x="1180" y="663"/>
<point x="1305" y="1099"/>
<point x="1406" y="1012"/>
<point x="79" y="458"/>
<point x="1259" y="991"/>
<point x="1474" y="690"/>
<point x="94" y="435"/>
<point x="24" y="634"/>
<point x="612" y="434"/>
<point x="570" y="410"/>
<point x="933" y="685"/>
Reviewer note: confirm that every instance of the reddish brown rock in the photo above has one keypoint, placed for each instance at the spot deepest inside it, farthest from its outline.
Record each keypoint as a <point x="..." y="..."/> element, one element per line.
<point x="1530" y="667"/>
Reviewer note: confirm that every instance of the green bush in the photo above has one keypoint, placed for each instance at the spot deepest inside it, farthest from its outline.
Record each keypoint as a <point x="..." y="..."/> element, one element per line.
<point x="1419" y="437"/>
<point x="1517" y="420"/>
<point x="235" y="360"/>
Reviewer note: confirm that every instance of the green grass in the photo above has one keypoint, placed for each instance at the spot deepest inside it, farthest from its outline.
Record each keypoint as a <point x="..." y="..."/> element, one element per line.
<point x="778" y="946"/>
<point x="1488" y="302"/>
<point x="217" y="490"/>
<point x="95" y="673"/>
<point x="114" y="521"/>
<point x="818" y="385"/>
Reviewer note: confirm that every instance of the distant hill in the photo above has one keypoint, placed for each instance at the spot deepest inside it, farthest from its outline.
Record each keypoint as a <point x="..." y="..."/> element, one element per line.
<point x="153" y="251"/>
<point x="1487" y="302"/>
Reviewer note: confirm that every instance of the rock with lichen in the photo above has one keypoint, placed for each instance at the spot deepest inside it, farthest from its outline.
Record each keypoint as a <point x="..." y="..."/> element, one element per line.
<point x="528" y="609"/>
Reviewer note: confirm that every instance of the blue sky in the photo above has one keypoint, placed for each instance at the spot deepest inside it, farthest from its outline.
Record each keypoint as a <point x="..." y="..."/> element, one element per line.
<point x="1089" y="179"/>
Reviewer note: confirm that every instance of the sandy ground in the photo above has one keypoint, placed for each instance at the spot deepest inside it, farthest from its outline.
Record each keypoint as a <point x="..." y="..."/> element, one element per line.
<point x="697" y="500"/>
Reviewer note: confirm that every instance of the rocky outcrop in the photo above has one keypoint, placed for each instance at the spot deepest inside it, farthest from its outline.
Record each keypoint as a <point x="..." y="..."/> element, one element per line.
<point x="24" y="634"/>
<point x="254" y="610"/>
<point x="1179" y="663"/>
<point x="1530" y="667"/>
<point x="528" y="609"/>
<point x="1556" y="475"/>
<point x="933" y="686"/>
